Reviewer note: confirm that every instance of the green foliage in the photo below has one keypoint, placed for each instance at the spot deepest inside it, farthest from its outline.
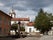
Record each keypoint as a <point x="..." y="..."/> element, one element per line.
<point x="22" y="29"/>
<point x="42" y="22"/>
<point x="14" y="26"/>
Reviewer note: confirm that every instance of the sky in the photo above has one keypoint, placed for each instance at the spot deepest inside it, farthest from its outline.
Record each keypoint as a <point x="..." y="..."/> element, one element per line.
<point x="26" y="8"/>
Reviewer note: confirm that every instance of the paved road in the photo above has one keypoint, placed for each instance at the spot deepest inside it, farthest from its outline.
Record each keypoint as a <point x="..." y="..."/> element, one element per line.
<point x="30" y="38"/>
<point x="46" y="37"/>
<point x="26" y="38"/>
<point x="6" y="39"/>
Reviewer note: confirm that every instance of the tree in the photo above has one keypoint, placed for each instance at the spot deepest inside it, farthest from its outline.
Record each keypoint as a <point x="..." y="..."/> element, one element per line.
<point x="50" y="16"/>
<point x="42" y="22"/>
<point x="22" y="29"/>
<point x="14" y="26"/>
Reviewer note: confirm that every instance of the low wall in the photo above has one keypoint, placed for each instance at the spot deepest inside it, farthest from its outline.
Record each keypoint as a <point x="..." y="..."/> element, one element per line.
<point x="34" y="34"/>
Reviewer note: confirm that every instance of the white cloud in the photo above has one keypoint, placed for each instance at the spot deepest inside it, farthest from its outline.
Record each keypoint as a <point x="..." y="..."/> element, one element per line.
<point x="1" y="4"/>
<point x="20" y="3"/>
<point x="29" y="13"/>
<point x="5" y="9"/>
<point x="48" y="9"/>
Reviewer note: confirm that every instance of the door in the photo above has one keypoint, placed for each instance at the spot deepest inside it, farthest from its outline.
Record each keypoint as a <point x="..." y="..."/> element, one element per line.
<point x="29" y="29"/>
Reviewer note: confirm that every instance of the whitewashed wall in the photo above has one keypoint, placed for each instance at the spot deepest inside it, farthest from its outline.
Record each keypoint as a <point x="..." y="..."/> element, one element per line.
<point x="28" y="27"/>
<point x="32" y="29"/>
<point x="12" y="22"/>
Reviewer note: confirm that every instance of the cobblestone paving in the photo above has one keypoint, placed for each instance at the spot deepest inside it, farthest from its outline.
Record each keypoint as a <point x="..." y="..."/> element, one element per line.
<point x="26" y="38"/>
<point x="46" y="37"/>
<point x="30" y="38"/>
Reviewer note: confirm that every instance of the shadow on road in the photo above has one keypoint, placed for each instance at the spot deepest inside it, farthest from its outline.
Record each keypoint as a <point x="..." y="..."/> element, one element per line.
<point x="7" y="38"/>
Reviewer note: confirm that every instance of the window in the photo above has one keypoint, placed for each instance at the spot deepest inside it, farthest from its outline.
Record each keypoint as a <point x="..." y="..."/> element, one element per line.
<point x="0" y="18"/>
<point x="4" y="29"/>
<point x="5" y="21"/>
<point x="0" y="24"/>
<point x="9" y="22"/>
<point x="0" y="29"/>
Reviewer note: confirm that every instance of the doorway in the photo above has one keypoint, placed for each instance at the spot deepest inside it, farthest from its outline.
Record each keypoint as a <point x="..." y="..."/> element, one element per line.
<point x="29" y="29"/>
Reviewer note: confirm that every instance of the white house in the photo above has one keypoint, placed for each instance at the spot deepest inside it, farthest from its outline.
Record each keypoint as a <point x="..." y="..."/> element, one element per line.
<point x="30" y="28"/>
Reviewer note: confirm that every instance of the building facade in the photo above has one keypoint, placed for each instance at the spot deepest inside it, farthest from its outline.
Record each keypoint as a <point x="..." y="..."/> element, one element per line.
<point x="5" y="23"/>
<point x="29" y="28"/>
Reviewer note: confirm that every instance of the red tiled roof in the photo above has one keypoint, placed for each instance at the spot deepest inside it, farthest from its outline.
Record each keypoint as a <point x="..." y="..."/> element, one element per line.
<point x="30" y="24"/>
<point x="20" y="19"/>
